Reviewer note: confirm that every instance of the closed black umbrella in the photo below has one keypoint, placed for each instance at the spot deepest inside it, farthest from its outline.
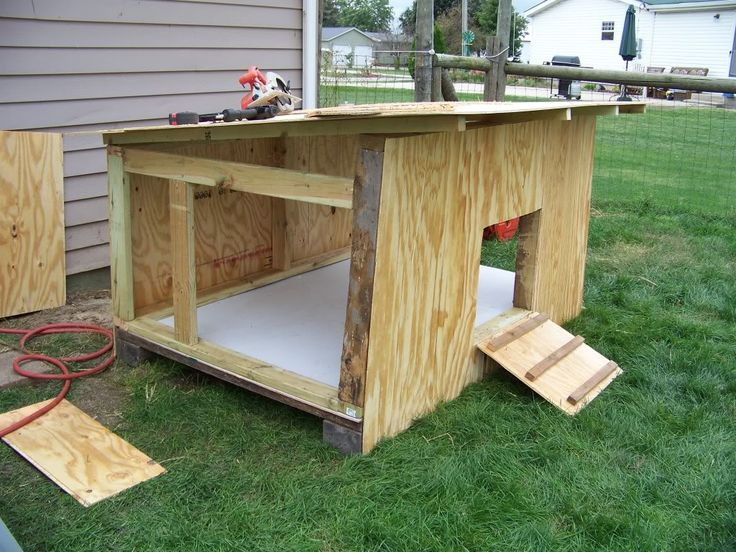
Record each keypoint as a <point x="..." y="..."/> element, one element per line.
<point x="627" y="50"/>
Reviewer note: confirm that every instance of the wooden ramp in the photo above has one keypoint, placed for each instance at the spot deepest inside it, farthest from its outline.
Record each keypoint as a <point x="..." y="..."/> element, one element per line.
<point x="551" y="361"/>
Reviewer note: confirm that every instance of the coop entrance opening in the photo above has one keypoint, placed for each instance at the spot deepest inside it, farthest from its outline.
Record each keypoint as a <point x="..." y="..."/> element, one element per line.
<point x="496" y="277"/>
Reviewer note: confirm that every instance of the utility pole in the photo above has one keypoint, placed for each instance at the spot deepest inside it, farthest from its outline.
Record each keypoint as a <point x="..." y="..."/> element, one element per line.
<point x="424" y="41"/>
<point x="497" y="49"/>
<point x="465" y="29"/>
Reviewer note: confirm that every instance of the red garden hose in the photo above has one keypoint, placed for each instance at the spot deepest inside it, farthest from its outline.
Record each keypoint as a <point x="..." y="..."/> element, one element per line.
<point x="66" y="376"/>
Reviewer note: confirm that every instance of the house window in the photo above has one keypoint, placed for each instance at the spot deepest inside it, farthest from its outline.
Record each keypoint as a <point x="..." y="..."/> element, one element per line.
<point x="607" y="30"/>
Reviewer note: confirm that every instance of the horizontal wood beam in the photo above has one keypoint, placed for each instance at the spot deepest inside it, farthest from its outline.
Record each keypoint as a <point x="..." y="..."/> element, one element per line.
<point x="336" y="191"/>
<point x="660" y="80"/>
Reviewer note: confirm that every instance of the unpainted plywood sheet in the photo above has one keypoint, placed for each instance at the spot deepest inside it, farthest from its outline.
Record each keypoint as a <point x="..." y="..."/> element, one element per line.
<point x="79" y="454"/>
<point x="552" y="362"/>
<point x="31" y="222"/>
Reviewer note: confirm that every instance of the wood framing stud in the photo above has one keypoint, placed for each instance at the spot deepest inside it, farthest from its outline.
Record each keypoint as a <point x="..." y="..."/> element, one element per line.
<point x="553" y="358"/>
<point x="594" y="380"/>
<point x="366" y="200"/>
<point x="121" y="256"/>
<point x="280" y="250"/>
<point x="527" y="253"/>
<point x="495" y="343"/>
<point x="347" y="441"/>
<point x="184" y="277"/>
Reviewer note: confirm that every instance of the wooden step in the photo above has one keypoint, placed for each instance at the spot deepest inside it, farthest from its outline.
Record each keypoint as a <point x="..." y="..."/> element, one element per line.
<point x="560" y="367"/>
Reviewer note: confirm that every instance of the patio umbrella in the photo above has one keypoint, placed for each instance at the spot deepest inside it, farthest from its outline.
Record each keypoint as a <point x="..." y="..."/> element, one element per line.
<point x="627" y="49"/>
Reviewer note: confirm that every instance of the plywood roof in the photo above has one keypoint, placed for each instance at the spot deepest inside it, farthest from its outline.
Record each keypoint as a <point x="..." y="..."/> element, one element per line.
<point x="401" y="118"/>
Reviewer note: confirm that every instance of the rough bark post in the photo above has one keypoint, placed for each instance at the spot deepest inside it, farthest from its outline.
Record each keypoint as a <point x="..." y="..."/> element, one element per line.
<point x="497" y="50"/>
<point x="423" y="64"/>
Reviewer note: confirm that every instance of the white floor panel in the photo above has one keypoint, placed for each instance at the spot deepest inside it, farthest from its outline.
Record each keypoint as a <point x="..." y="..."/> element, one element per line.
<point x="297" y="324"/>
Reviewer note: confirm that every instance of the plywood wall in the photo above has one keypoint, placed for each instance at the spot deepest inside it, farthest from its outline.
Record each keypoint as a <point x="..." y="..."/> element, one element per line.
<point x="439" y="192"/>
<point x="31" y="222"/>
<point x="234" y="231"/>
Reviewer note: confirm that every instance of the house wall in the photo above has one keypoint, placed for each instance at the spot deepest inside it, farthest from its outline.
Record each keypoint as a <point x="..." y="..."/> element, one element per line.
<point x="573" y="28"/>
<point x="350" y="39"/>
<point x="669" y="38"/>
<point x="691" y="39"/>
<point x="81" y="65"/>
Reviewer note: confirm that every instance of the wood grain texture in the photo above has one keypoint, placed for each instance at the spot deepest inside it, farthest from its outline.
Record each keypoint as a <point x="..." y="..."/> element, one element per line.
<point x="31" y="222"/>
<point x="438" y="193"/>
<point x="77" y="453"/>
<point x="184" y="277"/>
<point x="553" y="358"/>
<point x="553" y="243"/>
<point x="299" y="387"/>
<point x="575" y="371"/>
<point x="121" y="252"/>
<point x="242" y="177"/>
<point x="366" y="200"/>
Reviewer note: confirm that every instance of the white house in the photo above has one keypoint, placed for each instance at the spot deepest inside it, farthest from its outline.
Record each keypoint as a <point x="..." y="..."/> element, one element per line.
<point x="671" y="33"/>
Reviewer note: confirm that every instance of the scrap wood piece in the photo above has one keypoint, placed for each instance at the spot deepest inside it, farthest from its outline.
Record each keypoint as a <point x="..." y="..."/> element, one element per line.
<point x="553" y="358"/>
<point x="79" y="454"/>
<point x="594" y="380"/>
<point x="501" y="340"/>
<point x="364" y="110"/>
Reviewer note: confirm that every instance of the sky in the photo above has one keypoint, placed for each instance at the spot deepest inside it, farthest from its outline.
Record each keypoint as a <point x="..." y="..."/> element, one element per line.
<point x="400" y="5"/>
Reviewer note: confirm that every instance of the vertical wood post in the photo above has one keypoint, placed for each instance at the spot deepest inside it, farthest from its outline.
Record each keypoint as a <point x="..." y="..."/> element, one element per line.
<point x="121" y="255"/>
<point x="366" y="200"/>
<point x="494" y="88"/>
<point x="184" y="277"/>
<point x="280" y="249"/>
<point x="424" y="43"/>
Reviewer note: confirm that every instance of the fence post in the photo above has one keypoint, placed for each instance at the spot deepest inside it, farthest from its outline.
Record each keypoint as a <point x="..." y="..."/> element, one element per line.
<point x="494" y="88"/>
<point x="423" y="64"/>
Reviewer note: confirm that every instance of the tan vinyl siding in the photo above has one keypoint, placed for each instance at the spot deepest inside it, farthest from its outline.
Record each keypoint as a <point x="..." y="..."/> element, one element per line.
<point x="82" y="65"/>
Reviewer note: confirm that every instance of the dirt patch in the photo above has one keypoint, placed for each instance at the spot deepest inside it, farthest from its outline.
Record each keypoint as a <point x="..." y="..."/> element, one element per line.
<point x="82" y="307"/>
<point x="100" y="396"/>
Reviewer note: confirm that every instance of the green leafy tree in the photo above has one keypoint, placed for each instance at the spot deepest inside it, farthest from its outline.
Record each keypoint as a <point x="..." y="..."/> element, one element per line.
<point x="408" y="19"/>
<point x="487" y="15"/>
<point x="366" y="15"/>
<point x="330" y="13"/>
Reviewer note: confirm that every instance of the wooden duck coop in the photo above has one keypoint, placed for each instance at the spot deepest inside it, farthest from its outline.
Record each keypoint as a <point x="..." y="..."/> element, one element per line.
<point x="331" y="259"/>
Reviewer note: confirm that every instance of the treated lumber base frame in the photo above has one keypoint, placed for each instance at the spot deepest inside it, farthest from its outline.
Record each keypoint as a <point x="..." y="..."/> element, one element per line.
<point x="144" y="349"/>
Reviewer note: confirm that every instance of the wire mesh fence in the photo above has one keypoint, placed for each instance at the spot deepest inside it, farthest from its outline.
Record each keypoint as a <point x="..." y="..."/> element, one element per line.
<point x="679" y="154"/>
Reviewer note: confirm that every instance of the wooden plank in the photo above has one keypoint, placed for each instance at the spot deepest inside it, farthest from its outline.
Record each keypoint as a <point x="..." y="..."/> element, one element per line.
<point x="568" y="374"/>
<point x="317" y="394"/>
<point x="553" y="358"/>
<point x="242" y="177"/>
<point x="31" y="222"/>
<point x="77" y="453"/>
<point x="289" y="126"/>
<point x="121" y="256"/>
<point x="527" y="252"/>
<point x="580" y="393"/>
<point x="438" y="193"/>
<point x="366" y="201"/>
<point x="495" y="343"/>
<point x="184" y="278"/>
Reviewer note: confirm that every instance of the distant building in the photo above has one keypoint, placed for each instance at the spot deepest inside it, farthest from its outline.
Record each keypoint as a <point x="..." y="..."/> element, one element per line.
<point x="671" y="33"/>
<point x="351" y="47"/>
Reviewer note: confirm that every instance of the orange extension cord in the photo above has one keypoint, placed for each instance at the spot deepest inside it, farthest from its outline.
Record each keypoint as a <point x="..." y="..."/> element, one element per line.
<point x="66" y="375"/>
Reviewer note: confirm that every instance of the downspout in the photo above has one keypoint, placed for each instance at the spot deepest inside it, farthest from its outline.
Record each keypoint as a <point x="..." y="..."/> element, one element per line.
<point x="310" y="51"/>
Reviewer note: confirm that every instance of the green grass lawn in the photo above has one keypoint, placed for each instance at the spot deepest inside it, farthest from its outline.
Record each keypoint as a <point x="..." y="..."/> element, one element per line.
<point x="649" y="465"/>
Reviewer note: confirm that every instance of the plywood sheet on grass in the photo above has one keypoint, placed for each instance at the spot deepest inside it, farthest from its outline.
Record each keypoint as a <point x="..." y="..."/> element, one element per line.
<point x="79" y="454"/>
<point x="31" y="222"/>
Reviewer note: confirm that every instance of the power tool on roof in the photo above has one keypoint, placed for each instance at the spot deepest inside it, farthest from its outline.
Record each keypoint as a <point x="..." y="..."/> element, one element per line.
<point x="267" y="96"/>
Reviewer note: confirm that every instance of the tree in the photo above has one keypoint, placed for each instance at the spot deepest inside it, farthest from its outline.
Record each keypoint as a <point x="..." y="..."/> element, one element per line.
<point x="330" y="13"/>
<point x="366" y="15"/>
<point x="487" y="16"/>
